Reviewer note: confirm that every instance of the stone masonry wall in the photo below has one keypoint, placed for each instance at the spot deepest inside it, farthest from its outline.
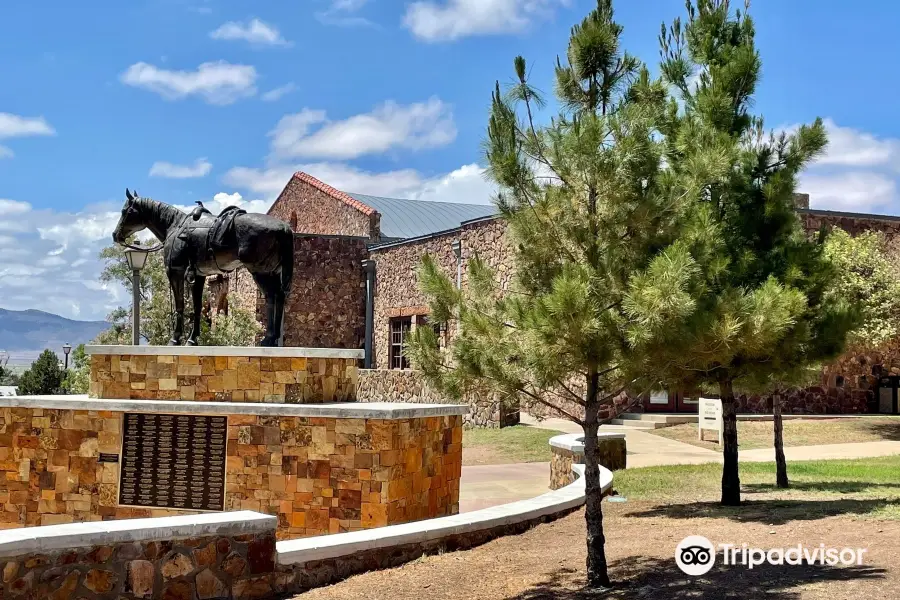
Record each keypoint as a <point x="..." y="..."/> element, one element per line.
<point x="852" y="223"/>
<point x="317" y="475"/>
<point x="386" y="385"/>
<point x="205" y="568"/>
<point x="223" y="378"/>
<point x="310" y="206"/>
<point x="326" y="307"/>
<point x="613" y="456"/>
<point x="397" y="290"/>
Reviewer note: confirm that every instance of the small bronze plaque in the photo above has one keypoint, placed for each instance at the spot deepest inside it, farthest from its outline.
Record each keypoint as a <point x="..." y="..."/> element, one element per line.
<point x="108" y="458"/>
<point x="161" y="453"/>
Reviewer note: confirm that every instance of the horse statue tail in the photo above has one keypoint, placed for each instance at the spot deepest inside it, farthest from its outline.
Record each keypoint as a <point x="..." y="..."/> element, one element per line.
<point x="287" y="260"/>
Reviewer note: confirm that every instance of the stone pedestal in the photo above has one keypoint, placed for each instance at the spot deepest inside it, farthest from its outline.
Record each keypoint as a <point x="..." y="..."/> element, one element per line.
<point x="568" y="449"/>
<point x="322" y="468"/>
<point x="179" y="430"/>
<point x="224" y="374"/>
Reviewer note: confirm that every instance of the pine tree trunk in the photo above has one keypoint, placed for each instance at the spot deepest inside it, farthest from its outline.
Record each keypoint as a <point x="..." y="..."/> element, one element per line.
<point x="597" y="575"/>
<point x="731" y="482"/>
<point x="781" y="477"/>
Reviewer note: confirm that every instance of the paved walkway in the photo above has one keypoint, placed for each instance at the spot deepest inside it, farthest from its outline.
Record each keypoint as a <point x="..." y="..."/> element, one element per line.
<point x="490" y="485"/>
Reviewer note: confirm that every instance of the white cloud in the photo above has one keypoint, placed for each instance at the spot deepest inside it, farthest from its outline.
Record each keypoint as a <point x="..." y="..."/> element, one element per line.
<point x="12" y="126"/>
<point x="278" y="93"/>
<point x="255" y="32"/>
<point x="854" y="148"/>
<point x="856" y="191"/>
<point x="344" y="13"/>
<point x="447" y="20"/>
<point x="218" y="83"/>
<point x="466" y="184"/>
<point x="49" y="260"/>
<point x="85" y="227"/>
<point x="222" y="200"/>
<point x="270" y="181"/>
<point x="200" y="168"/>
<point x="16" y="126"/>
<point x="13" y="207"/>
<point x="390" y="125"/>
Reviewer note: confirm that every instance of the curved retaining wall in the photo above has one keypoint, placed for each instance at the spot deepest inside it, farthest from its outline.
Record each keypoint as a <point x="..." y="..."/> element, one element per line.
<point x="234" y="555"/>
<point x="567" y="451"/>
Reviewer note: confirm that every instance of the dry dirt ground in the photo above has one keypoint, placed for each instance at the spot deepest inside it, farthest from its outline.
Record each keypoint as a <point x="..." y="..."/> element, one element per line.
<point x="799" y="432"/>
<point x="548" y="561"/>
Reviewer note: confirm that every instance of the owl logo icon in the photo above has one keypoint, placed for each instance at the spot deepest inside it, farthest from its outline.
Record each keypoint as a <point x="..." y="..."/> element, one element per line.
<point x="695" y="555"/>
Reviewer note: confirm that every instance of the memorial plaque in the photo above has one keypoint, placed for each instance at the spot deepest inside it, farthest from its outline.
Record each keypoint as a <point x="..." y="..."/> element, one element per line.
<point x="173" y="461"/>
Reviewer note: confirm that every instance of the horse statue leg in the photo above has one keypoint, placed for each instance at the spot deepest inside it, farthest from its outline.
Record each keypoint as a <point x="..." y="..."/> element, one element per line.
<point x="176" y="283"/>
<point x="197" y="301"/>
<point x="271" y="286"/>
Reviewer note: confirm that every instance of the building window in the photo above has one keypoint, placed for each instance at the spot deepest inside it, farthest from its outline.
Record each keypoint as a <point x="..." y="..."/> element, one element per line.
<point x="294" y="221"/>
<point x="400" y="328"/>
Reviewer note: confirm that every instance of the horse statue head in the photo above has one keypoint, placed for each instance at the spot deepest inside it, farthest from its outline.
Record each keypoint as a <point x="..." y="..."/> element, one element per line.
<point x="131" y="220"/>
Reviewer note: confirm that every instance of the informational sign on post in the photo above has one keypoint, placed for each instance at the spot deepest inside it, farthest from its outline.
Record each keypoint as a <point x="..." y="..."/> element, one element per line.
<point x="710" y="417"/>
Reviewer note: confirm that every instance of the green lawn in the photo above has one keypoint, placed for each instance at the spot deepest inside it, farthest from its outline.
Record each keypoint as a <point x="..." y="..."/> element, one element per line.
<point x="519" y="444"/>
<point x="797" y="432"/>
<point x="869" y="487"/>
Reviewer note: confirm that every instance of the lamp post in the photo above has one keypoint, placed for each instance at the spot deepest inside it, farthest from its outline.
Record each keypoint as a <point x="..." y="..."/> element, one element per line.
<point x="67" y="347"/>
<point x="136" y="260"/>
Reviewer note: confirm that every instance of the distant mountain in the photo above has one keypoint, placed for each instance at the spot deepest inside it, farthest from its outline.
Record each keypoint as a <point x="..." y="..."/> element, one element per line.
<point x="27" y="332"/>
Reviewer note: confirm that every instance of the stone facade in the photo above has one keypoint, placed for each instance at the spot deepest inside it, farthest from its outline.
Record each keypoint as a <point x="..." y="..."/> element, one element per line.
<point x="393" y="385"/>
<point x="203" y="568"/>
<point x="311" y="206"/>
<point x="326" y="306"/>
<point x="852" y="223"/>
<point x="612" y="456"/>
<point x="223" y="378"/>
<point x="397" y="290"/>
<point x="317" y="475"/>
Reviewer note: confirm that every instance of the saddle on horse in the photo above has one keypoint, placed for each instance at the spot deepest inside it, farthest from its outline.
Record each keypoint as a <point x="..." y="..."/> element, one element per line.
<point x="211" y="233"/>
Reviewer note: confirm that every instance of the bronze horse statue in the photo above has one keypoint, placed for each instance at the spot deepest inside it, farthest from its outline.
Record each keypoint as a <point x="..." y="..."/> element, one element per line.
<point x="198" y="245"/>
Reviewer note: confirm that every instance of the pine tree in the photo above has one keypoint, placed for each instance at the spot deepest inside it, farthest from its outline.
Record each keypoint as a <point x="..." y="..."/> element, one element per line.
<point x="762" y="312"/>
<point x="589" y="206"/>
<point x="78" y="378"/>
<point x="44" y="377"/>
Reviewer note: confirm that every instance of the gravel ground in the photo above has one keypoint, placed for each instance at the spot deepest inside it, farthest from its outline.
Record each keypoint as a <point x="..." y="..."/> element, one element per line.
<point x="548" y="561"/>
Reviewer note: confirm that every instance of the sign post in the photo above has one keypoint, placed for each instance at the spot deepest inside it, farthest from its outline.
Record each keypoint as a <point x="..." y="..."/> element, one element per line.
<point x="709" y="415"/>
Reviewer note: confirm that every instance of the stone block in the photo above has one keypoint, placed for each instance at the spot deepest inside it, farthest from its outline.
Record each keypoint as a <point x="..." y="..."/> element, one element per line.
<point x="140" y="578"/>
<point x="209" y="586"/>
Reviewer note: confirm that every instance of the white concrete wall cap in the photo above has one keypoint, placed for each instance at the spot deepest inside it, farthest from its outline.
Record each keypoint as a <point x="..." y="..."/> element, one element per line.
<point x="49" y="538"/>
<point x="574" y="442"/>
<point x="248" y="351"/>
<point x="339" y="410"/>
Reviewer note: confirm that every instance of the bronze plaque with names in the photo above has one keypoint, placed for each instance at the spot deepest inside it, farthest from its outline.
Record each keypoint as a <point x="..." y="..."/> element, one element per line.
<point x="173" y="461"/>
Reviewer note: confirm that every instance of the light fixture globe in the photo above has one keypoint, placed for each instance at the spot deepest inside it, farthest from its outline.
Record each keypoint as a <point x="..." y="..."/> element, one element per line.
<point x="136" y="258"/>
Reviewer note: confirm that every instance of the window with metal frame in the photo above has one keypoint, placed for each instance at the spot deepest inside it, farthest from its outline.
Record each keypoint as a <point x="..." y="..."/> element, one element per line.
<point x="399" y="331"/>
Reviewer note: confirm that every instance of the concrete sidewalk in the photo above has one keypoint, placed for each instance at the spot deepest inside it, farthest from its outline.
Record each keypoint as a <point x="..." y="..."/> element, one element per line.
<point x="490" y="485"/>
<point x="483" y="486"/>
<point x="647" y="450"/>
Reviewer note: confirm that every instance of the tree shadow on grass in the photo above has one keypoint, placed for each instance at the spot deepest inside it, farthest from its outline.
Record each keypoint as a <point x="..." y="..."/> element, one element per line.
<point x="652" y="578"/>
<point x="840" y="487"/>
<point x="886" y="431"/>
<point x="773" y="512"/>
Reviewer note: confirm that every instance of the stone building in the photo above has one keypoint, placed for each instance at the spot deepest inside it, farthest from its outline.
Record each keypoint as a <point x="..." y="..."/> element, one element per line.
<point x="355" y="287"/>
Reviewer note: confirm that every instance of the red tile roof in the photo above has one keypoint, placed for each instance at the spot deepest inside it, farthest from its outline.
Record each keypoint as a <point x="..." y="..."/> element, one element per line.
<point x="334" y="193"/>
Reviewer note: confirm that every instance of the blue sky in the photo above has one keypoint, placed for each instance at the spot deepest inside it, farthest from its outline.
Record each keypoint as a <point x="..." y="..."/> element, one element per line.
<point x="221" y="100"/>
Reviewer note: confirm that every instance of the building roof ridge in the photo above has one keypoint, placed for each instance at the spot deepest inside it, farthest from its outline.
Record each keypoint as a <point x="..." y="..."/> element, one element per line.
<point x="333" y="192"/>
